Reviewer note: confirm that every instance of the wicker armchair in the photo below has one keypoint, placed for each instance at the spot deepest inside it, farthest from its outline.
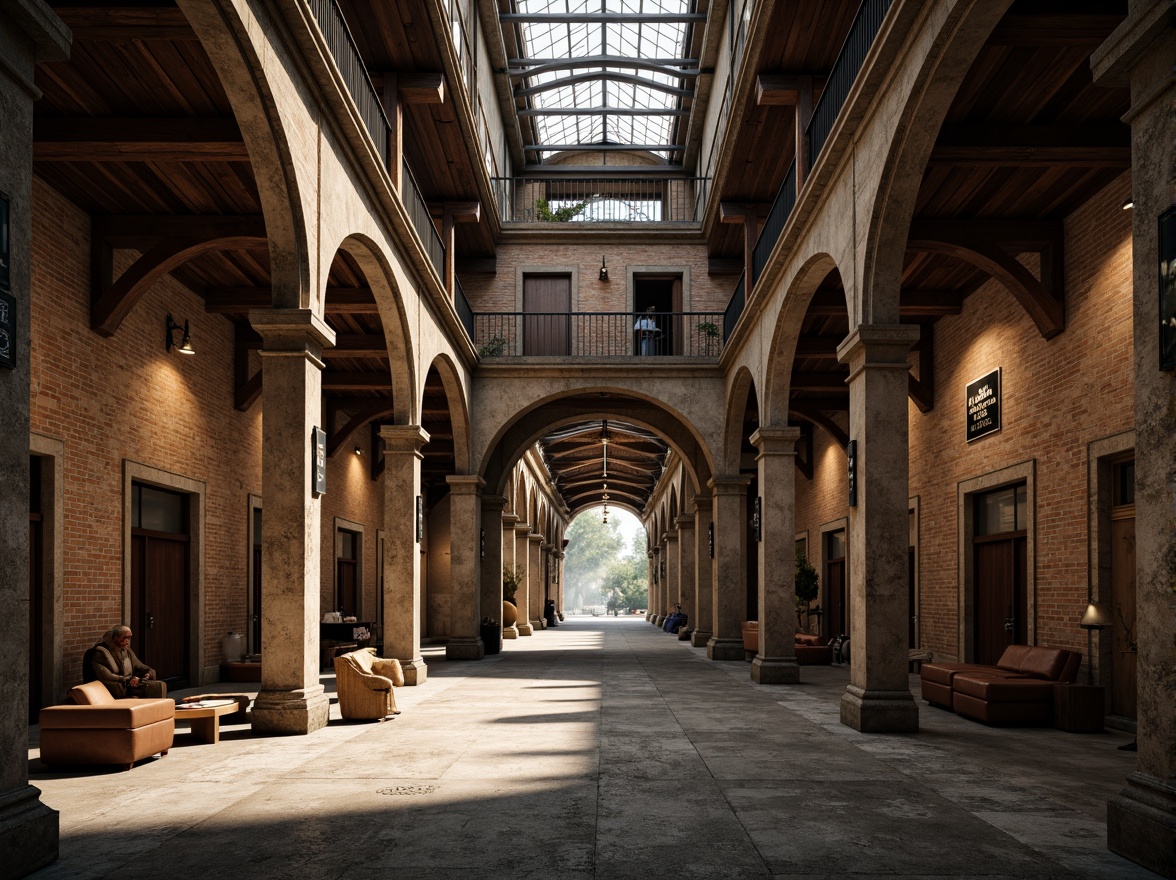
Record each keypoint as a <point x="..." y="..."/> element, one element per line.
<point x="364" y="683"/>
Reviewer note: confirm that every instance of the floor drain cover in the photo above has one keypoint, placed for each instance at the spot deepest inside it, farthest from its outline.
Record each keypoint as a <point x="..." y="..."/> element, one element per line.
<point x="408" y="790"/>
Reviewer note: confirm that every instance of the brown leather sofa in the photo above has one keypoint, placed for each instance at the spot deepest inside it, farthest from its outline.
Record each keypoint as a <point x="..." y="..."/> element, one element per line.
<point x="1019" y="689"/>
<point x="811" y="650"/>
<point x="98" y="729"/>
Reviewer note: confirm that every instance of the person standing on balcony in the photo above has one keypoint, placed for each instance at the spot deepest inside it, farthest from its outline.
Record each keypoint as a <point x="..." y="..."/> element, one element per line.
<point x="647" y="333"/>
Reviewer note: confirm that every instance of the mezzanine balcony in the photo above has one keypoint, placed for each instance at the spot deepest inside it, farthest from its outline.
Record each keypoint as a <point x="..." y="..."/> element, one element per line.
<point x="623" y="336"/>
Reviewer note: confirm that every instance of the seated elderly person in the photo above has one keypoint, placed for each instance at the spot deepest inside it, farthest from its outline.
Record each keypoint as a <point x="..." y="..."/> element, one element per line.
<point x="113" y="663"/>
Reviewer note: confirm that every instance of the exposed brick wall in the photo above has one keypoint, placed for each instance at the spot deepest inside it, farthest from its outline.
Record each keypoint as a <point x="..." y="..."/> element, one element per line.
<point x="125" y="398"/>
<point x="1058" y="396"/>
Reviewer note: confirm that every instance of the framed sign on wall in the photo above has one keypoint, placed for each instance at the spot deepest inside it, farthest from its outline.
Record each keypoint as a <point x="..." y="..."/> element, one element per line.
<point x="982" y="406"/>
<point x="1168" y="290"/>
<point x="319" y="447"/>
<point x="4" y="239"/>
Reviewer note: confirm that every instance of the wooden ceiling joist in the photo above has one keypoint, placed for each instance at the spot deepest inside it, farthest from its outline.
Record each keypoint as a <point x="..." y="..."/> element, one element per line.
<point x="350" y="380"/>
<point x="801" y="409"/>
<point x="240" y="300"/>
<point x="125" y="23"/>
<point x="355" y="416"/>
<point x="994" y="145"/>
<point x="137" y="140"/>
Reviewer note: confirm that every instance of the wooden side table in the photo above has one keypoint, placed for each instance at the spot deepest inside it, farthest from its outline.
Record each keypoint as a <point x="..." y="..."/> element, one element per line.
<point x="1079" y="708"/>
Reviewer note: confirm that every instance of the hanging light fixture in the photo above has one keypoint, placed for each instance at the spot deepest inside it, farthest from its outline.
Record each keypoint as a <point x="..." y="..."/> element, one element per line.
<point x="604" y="500"/>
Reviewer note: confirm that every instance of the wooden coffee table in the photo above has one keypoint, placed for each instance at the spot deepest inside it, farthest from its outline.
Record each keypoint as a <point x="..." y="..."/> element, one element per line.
<point x="205" y="717"/>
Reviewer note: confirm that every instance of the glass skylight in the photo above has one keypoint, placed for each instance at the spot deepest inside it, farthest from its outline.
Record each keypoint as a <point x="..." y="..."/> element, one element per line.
<point x="600" y="82"/>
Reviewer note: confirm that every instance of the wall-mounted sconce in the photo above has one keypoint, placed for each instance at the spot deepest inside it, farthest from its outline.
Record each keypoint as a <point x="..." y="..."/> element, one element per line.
<point x="184" y="346"/>
<point x="603" y="270"/>
<point x="358" y="451"/>
<point x="1129" y="204"/>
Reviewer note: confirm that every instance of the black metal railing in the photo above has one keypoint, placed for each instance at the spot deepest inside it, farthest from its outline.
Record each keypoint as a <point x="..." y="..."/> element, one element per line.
<point x="422" y="220"/>
<point x="598" y="334"/>
<point x="862" y="32"/>
<point x="599" y="199"/>
<point x="464" y="313"/>
<point x="734" y="309"/>
<point x="774" y="224"/>
<point x="347" y="58"/>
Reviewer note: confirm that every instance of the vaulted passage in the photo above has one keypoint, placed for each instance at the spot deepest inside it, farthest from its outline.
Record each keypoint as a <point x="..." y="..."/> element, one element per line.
<point x="607" y="748"/>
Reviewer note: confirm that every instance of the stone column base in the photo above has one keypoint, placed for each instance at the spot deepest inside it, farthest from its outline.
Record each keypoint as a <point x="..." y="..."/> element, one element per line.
<point x="648" y="617"/>
<point x="699" y="639"/>
<point x="1141" y="823"/>
<point x="538" y="624"/>
<point x="465" y="649"/>
<point x="29" y="831"/>
<point x="525" y="629"/>
<point x="879" y="711"/>
<point x="724" y="649"/>
<point x="510" y="632"/>
<point x="775" y="670"/>
<point x="415" y="671"/>
<point x="299" y="711"/>
<point x="659" y="620"/>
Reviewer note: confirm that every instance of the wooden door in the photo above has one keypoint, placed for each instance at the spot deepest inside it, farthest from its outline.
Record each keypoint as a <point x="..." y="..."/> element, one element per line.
<point x="256" y="598"/>
<point x="36" y="616"/>
<point x="836" y="604"/>
<point x="999" y="563"/>
<point x="912" y="613"/>
<point x="547" y="302"/>
<point x="1123" y="631"/>
<point x="159" y="603"/>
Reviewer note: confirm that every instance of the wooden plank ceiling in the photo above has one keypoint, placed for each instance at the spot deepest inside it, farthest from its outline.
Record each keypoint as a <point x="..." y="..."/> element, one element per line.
<point x="594" y="458"/>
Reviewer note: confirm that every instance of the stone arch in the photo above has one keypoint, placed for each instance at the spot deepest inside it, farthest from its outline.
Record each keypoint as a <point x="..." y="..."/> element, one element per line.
<point x="378" y="272"/>
<point x="459" y="413"/>
<point x="526" y="427"/>
<point x="226" y="32"/>
<point x="673" y="508"/>
<point x="786" y="333"/>
<point x="742" y="390"/>
<point x="958" y="40"/>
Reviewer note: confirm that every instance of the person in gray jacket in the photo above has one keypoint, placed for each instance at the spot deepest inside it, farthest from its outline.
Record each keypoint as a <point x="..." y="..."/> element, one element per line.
<point x="113" y="663"/>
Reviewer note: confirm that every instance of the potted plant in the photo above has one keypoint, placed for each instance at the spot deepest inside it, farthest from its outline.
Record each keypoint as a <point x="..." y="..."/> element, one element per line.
<point x="710" y="336"/>
<point x="544" y="213"/>
<point x="510" y="585"/>
<point x="808" y="585"/>
<point x="494" y="347"/>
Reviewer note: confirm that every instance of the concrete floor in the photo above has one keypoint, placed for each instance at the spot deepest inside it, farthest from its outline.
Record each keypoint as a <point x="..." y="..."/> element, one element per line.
<point x="604" y="748"/>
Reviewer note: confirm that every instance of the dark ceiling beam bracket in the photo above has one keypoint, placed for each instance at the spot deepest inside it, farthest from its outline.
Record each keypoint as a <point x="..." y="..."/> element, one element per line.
<point x="355" y="419"/>
<point x="1042" y="299"/>
<point x="115" y="298"/>
<point x="815" y="416"/>
<point x="785" y="89"/>
<point x="246" y="387"/>
<point x="922" y="389"/>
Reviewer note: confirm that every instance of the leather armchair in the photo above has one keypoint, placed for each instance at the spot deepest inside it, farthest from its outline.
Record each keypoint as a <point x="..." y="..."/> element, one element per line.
<point x="364" y="684"/>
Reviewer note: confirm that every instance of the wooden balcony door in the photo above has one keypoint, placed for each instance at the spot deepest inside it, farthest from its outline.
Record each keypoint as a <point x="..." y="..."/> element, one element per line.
<point x="1000" y="572"/>
<point x="160" y="582"/>
<point x="547" y="302"/>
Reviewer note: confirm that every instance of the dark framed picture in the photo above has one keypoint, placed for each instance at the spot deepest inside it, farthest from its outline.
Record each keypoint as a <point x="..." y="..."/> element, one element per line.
<point x="319" y="444"/>
<point x="1168" y="289"/>
<point x="982" y="406"/>
<point x="420" y="518"/>
<point x="7" y="330"/>
<point x="4" y="239"/>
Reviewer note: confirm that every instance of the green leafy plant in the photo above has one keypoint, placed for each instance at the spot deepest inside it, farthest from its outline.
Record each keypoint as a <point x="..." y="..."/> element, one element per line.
<point x="495" y="347"/>
<point x="560" y="215"/>
<point x="511" y="581"/>
<point x="708" y="329"/>
<point x="808" y="585"/>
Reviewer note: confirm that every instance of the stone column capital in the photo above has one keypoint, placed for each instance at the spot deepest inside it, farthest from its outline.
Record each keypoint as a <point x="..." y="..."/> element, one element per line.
<point x="775" y="441"/>
<point x="292" y="332"/>
<point x="670" y="535"/>
<point x="877" y="346"/>
<point x="465" y="484"/>
<point x="535" y="538"/>
<point x="403" y="439"/>
<point x="494" y="502"/>
<point x="685" y="521"/>
<point x="701" y="500"/>
<point x="733" y="484"/>
<point x="522" y="528"/>
<point x="508" y="519"/>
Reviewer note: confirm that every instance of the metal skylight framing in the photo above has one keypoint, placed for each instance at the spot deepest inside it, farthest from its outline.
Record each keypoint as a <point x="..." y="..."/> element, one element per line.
<point x="603" y="74"/>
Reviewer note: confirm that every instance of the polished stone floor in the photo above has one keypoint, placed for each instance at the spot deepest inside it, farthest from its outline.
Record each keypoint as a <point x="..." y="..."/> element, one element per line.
<point x="604" y="748"/>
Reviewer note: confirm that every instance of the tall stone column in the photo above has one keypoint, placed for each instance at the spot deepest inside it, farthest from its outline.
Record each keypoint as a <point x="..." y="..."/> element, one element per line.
<point x="29" y="32"/>
<point x="775" y="662"/>
<point x="535" y="567"/>
<point x="509" y="521"/>
<point x="465" y="524"/>
<point x="670" y="555"/>
<point x="523" y="564"/>
<point x="685" y="564"/>
<point x="650" y="587"/>
<point x="878" y="698"/>
<point x="558" y="572"/>
<point x="491" y="551"/>
<point x="291" y="699"/>
<point x="704" y="614"/>
<point x="730" y="573"/>
<point x="659" y="588"/>
<point x="402" y="556"/>
<point x="1141" y="820"/>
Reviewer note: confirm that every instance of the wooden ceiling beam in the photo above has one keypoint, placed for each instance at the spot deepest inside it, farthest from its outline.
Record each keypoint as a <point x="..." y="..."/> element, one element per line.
<point x="140" y="230"/>
<point x="831" y="380"/>
<point x="1064" y="28"/>
<point x="784" y="89"/>
<point x="137" y="140"/>
<point x="799" y="409"/>
<point x="114" y="23"/>
<point x="240" y="300"/>
<point x="912" y="303"/>
<point x="349" y="380"/>
<point x="992" y="145"/>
